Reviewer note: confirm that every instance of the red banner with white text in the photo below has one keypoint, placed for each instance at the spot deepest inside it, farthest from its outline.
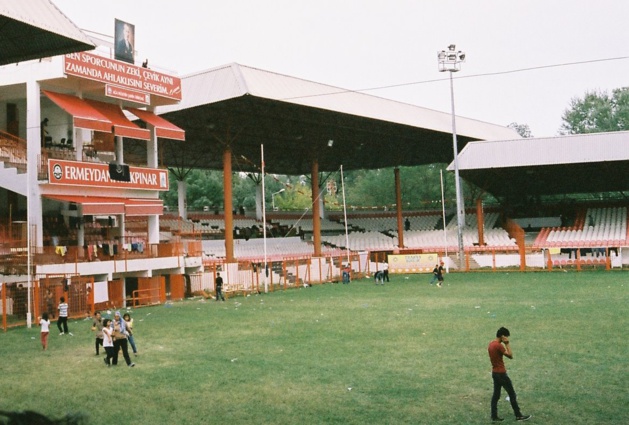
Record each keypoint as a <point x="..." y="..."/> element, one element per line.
<point x="74" y="173"/>
<point x="122" y="74"/>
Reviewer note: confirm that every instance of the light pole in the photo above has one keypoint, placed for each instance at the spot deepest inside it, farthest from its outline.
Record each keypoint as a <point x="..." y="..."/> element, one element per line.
<point x="273" y="198"/>
<point x="450" y="60"/>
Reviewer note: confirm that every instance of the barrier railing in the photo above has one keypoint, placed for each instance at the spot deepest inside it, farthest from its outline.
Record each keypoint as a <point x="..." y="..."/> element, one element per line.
<point x="145" y="297"/>
<point x="45" y="293"/>
<point x="13" y="151"/>
<point x="121" y="251"/>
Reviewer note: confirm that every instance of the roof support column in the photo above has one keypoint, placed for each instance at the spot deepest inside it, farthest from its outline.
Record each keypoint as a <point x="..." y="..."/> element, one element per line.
<point x="322" y="211"/>
<point x="316" y="219"/>
<point x="228" y="205"/>
<point x="151" y="148"/>
<point x="153" y="229"/>
<point x="398" y="207"/>
<point x="79" y="140"/>
<point x="80" y="234"/>
<point x="119" y="150"/>
<point x="122" y="229"/>
<point x="79" y="135"/>
<point x="181" y="199"/>
<point x="152" y="162"/>
<point x="33" y="155"/>
<point x="480" y="221"/>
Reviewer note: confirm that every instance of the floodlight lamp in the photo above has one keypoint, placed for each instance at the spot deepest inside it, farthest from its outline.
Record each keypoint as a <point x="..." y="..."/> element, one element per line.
<point x="461" y="55"/>
<point x="330" y="143"/>
<point x="441" y="55"/>
<point x="451" y="47"/>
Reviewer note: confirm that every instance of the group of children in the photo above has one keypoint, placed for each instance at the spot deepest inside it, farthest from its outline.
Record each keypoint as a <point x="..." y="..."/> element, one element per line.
<point x="381" y="275"/>
<point x="113" y="335"/>
<point x="437" y="274"/>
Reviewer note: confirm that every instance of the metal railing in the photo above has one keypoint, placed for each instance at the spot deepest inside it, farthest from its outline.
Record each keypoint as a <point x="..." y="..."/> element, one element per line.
<point x="13" y="151"/>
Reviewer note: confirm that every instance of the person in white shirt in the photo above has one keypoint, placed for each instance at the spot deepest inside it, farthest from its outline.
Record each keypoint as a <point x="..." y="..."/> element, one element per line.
<point x="108" y="341"/>
<point x="44" y="322"/>
<point x="63" y="316"/>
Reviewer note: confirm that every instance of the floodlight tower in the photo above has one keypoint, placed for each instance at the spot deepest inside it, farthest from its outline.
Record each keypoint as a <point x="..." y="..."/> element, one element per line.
<point x="450" y="61"/>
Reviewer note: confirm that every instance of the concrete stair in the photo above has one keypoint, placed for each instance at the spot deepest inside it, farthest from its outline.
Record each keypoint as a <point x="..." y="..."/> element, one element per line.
<point x="12" y="178"/>
<point x="473" y="264"/>
<point x="454" y="262"/>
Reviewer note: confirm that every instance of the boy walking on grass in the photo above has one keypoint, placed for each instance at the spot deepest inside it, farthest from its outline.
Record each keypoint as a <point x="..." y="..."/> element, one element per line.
<point x="219" y="287"/>
<point x="62" y="321"/>
<point x="498" y="348"/>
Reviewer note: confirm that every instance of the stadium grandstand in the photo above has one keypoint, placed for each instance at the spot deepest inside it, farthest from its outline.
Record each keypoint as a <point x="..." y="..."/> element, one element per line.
<point x="97" y="232"/>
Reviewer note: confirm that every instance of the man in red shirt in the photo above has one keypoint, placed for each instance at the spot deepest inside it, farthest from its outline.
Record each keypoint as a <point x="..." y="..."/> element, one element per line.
<point x="498" y="348"/>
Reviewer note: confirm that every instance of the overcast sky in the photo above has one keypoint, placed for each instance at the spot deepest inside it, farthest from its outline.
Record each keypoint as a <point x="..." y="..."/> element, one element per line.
<point x="368" y="44"/>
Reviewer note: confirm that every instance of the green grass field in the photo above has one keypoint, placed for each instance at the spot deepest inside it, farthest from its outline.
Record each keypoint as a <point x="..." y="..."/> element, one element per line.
<point x="402" y="353"/>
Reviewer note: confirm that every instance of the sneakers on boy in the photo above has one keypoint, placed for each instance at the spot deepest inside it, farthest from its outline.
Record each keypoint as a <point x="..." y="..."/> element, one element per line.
<point x="497" y="419"/>
<point x="523" y="418"/>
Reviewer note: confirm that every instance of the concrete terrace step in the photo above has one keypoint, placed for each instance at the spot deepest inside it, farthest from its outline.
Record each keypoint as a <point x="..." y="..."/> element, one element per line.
<point x="12" y="178"/>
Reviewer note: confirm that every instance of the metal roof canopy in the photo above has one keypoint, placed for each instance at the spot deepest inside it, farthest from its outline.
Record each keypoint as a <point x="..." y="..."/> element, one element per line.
<point x="35" y="29"/>
<point x="575" y="164"/>
<point x="244" y="108"/>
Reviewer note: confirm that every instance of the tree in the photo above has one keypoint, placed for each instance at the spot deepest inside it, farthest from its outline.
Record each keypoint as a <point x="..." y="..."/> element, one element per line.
<point x="243" y="192"/>
<point x="421" y="189"/>
<point x="522" y="129"/>
<point x="204" y="188"/>
<point x="596" y="112"/>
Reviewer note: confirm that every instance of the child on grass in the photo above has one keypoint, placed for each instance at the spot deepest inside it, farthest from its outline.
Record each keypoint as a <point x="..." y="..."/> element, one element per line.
<point x="129" y="324"/>
<point x="97" y="326"/>
<point x="44" y="323"/>
<point x="62" y="321"/>
<point x="121" y="341"/>
<point x="108" y="341"/>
